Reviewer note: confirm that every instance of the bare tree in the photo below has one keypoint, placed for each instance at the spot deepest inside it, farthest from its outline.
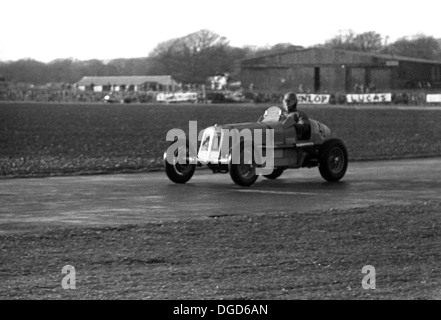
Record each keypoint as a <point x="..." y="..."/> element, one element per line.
<point x="368" y="42"/>
<point x="418" y="46"/>
<point x="347" y="40"/>
<point x="191" y="59"/>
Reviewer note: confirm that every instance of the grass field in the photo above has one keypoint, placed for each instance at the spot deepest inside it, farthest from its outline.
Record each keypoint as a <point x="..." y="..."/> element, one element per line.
<point x="48" y="139"/>
<point x="292" y="255"/>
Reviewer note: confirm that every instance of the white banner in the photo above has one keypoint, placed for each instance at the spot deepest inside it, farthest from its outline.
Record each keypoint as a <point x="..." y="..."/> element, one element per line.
<point x="369" y="97"/>
<point x="436" y="98"/>
<point x="177" y="97"/>
<point x="313" y="98"/>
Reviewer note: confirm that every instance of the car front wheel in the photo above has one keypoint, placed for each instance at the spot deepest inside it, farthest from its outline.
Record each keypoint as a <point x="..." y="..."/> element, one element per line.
<point x="244" y="172"/>
<point x="178" y="170"/>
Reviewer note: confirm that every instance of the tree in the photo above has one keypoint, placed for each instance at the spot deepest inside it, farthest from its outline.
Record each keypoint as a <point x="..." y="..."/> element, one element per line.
<point x="347" y="40"/>
<point x="193" y="58"/>
<point x="25" y="70"/>
<point x="63" y="70"/>
<point x="343" y="40"/>
<point x="417" y="46"/>
<point x="128" y="67"/>
<point x="368" y="42"/>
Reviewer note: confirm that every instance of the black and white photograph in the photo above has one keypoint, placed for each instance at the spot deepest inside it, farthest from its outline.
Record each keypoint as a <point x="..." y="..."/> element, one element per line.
<point x="220" y="158"/>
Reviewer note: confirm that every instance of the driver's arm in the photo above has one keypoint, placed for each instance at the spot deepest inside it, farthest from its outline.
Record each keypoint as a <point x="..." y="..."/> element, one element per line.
<point x="303" y="118"/>
<point x="288" y="120"/>
<point x="303" y="126"/>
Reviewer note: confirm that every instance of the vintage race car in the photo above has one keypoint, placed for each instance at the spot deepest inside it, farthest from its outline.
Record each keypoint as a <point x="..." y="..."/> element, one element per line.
<point x="267" y="147"/>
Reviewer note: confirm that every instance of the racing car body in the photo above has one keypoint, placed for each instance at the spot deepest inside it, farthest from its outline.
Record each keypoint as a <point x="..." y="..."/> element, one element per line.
<point x="242" y="149"/>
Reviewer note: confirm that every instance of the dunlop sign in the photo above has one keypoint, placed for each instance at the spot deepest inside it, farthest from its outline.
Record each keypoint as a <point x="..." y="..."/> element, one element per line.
<point x="369" y="98"/>
<point x="313" y="98"/>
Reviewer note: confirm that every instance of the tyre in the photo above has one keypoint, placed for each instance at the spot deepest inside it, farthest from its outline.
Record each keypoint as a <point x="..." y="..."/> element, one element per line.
<point x="333" y="160"/>
<point x="277" y="172"/>
<point x="243" y="173"/>
<point x="178" y="171"/>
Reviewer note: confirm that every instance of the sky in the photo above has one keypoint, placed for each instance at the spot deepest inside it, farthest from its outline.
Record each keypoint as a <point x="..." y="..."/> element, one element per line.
<point x="46" y="30"/>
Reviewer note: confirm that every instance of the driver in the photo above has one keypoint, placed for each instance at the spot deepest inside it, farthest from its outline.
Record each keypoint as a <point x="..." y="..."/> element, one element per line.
<point x="301" y="120"/>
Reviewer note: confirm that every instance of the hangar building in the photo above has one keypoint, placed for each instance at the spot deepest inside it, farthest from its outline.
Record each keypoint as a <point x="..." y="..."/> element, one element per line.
<point x="129" y="83"/>
<point x="319" y="70"/>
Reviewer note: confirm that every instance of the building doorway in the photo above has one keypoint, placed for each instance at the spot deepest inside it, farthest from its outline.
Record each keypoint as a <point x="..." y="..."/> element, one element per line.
<point x="355" y="79"/>
<point x="316" y="79"/>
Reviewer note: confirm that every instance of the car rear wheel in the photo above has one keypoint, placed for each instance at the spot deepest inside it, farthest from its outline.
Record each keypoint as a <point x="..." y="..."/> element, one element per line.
<point x="277" y="172"/>
<point x="244" y="172"/>
<point x="178" y="170"/>
<point x="333" y="160"/>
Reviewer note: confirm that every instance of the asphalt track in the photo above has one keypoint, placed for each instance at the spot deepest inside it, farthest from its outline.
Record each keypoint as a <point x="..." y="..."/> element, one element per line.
<point x="151" y="197"/>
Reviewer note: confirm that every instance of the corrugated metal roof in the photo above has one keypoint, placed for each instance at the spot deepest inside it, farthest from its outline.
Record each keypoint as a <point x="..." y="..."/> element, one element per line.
<point x="394" y="57"/>
<point x="370" y="54"/>
<point x="125" y="80"/>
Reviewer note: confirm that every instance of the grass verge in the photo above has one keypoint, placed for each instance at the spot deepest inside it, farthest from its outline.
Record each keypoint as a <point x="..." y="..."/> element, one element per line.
<point x="315" y="255"/>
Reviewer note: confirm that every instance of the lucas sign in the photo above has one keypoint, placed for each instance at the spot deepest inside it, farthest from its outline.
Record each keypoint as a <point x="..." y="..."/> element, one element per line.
<point x="369" y="98"/>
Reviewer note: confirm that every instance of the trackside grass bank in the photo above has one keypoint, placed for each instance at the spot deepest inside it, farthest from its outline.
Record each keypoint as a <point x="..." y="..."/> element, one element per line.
<point x="314" y="255"/>
<point x="53" y="139"/>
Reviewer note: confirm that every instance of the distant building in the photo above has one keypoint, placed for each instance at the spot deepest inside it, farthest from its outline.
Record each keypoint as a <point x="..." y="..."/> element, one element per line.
<point x="327" y="70"/>
<point x="129" y="83"/>
<point x="3" y="83"/>
<point x="219" y="81"/>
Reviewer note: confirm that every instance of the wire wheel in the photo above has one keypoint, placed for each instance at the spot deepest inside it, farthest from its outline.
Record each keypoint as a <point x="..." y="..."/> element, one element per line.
<point x="333" y="160"/>
<point x="336" y="160"/>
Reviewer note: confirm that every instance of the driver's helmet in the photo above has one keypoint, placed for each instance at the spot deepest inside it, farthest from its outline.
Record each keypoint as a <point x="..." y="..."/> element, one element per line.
<point x="290" y="100"/>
